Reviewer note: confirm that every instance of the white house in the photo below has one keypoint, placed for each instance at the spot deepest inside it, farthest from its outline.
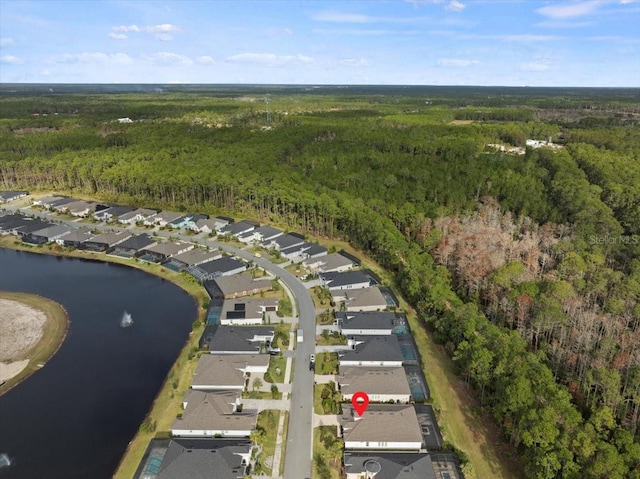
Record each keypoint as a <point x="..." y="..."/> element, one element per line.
<point x="217" y="372"/>
<point x="381" y="384"/>
<point x="382" y="427"/>
<point x="365" y="299"/>
<point x="345" y="280"/>
<point x="163" y="218"/>
<point x="372" y="323"/>
<point x="247" y="312"/>
<point x="333" y="262"/>
<point x="132" y="217"/>
<point x="213" y="414"/>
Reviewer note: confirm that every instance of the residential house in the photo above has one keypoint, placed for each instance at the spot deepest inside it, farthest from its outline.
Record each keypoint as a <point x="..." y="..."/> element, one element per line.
<point x="389" y="465"/>
<point x="77" y="237"/>
<point x="345" y="280"/>
<point x="239" y="285"/>
<point x="135" y="216"/>
<point x="7" y="196"/>
<point x="239" y="228"/>
<point x="240" y="339"/>
<point x="259" y="235"/>
<point x="132" y="246"/>
<point x="162" y="218"/>
<point x="193" y="458"/>
<point x="364" y="299"/>
<point x="188" y="221"/>
<point x="382" y="427"/>
<point x="113" y="213"/>
<point x="304" y="251"/>
<point x="51" y="201"/>
<point x="104" y="241"/>
<point x="372" y="351"/>
<point x="213" y="414"/>
<point x="216" y="372"/>
<point x="224" y="266"/>
<point x="246" y="312"/>
<point x="334" y="262"/>
<point x="370" y="323"/>
<point x="81" y="209"/>
<point x="284" y="241"/>
<point x="46" y="235"/>
<point x="21" y="225"/>
<point x="192" y="258"/>
<point x="210" y="225"/>
<point x="381" y="384"/>
<point x="162" y="251"/>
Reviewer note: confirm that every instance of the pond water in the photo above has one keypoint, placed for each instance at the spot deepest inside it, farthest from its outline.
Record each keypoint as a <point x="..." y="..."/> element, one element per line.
<point x="75" y="417"/>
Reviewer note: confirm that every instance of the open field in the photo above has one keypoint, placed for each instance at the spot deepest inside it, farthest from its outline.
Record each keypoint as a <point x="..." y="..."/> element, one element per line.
<point x="33" y="329"/>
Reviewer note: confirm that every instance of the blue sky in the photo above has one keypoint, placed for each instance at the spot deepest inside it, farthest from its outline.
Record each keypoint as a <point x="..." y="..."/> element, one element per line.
<point x="419" y="42"/>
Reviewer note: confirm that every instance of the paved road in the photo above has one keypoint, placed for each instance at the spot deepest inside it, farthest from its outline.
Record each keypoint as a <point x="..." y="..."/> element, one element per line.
<point x="300" y="435"/>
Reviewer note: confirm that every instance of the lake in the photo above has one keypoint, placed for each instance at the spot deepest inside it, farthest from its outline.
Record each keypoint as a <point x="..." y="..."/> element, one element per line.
<point x="75" y="417"/>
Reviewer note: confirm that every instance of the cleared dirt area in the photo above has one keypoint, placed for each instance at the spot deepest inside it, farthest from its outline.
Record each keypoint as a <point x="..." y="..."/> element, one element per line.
<point x="22" y="327"/>
<point x="32" y="328"/>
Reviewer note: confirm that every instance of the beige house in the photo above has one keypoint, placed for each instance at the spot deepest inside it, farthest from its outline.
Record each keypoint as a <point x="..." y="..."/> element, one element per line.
<point x="227" y="371"/>
<point x="381" y="384"/>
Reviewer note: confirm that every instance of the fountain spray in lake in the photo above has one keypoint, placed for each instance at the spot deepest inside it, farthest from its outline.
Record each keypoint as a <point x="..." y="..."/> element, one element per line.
<point x="5" y="461"/>
<point x="126" y="320"/>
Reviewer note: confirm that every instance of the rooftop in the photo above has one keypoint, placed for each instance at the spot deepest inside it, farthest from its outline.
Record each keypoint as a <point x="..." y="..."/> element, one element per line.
<point x="240" y="283"/>
<point x="213" y="411"/>
<point x="197" y="256"/>
<point x="368" y="319"/>
<point x="225" y="369"/>
<point x="239" y="339"/>
<point x="398" y="465"/>
<point x="364" y="297"/>
<point x="170" y="248"/>
<point x="222" y="265"/>
<point x="373" y="380"/>
<point x="137" y="242"/>
<point x="246" y="308"/>
<point x="110" y="237"/>
<point x="381" y="423"/>
<point x="374" y="348"/>
<point x="336" y="280"/>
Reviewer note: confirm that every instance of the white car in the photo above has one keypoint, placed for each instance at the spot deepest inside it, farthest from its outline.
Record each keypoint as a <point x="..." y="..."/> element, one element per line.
<point x="312" y="358"/>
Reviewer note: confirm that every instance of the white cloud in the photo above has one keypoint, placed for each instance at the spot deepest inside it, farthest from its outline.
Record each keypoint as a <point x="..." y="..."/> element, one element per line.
<point x="569" y="10"/>
<point x="163" y="31"/>
<point x="362" y="31"/>
<point x="205" y="60"/>
<point x="562" y="24"/>
<point x="269" y="59"/>
<point x="455" y="6"/>
<point x="118" y="36"/>
<point x="456" y="62"/>
<point x="5" y="42"/>
<point x="93" y="57"/>
<point x="342" y="17"/>
<point x="524" y="37"/>
<point x="535" y="66"/>
<point x="168" y="58"/>
<point x="11" y="60"/>
<point x="355" y="62"/>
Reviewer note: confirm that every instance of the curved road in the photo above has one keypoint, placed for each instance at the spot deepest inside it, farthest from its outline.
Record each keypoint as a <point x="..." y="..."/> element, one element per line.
<point x="298" y="451"/>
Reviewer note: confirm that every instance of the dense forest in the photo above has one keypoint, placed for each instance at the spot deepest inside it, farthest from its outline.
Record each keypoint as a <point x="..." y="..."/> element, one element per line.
<point x="525" y="265"/>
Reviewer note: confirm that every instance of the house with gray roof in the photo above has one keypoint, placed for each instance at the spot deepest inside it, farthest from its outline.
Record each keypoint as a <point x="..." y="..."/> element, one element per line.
<point x="210" y="225"/>
<point x="239" y="285"/>
<point x="22" y="225"/>
<point x="383" y="427"/>
<point x="162" y="251"/>
<point x="216" y="372"/>
<point x="301" y="252"/>
<point x="77" y="236"/>
<point x="389" y="465"/>
<point x="193" y="257"/>
<point x="224" y="266"/>
<point x="334" y="262"/>
<point x="381" y="384"/>
<point x="372" y="351"/>
<point x="7" y="196"/>
<point x="51" y="201"/>
<point x="261" y="234"/>
<point x="376" y="323"/>
<point x="46" y="235"/>
<point x="246" y="312"/>
<point x="363" y="299"/>
<point x="240" y="339"/>
<point x="213" y="414"/>
<point x="284" y="241"/>
<point x="163" y="218"/>
<point x="104" y="241"/>
<point x="236" y="229"/>
<point x="133" y="217"/>
<point x="345" y="280"/>
<point x="133" y="245"/>
<point x="193" y="458"/>
<point x="112" y="213"/>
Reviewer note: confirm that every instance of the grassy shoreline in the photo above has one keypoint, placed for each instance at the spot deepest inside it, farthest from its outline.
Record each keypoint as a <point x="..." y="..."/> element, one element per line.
<point x="167" y="403"/>
<point x="53" y="334"/>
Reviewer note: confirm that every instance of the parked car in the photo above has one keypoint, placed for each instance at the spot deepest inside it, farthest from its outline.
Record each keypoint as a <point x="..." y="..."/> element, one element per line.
<point x="312" y="358"/>
<point x="312" y="365"/>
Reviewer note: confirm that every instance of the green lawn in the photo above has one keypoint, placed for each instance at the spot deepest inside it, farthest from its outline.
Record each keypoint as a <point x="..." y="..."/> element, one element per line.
<point x="331" y="394"/>
<point x="261" y="395"/>
<point x="276" y="363"/>
<point x="327" y="461"/>
<point x="331" y="339"/>
<point x="265" y="435"/>
<point x="321" y="297"/>
<point x="327" y="363"/>
<point x="325" y="318"/>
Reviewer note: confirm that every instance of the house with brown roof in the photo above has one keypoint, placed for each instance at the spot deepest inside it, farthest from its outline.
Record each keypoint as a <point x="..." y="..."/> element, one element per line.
<point x="213" y="414"/>
<point x="363" y="299"/>
<point x="383" y="427"/>
<point x="240" y="285"/>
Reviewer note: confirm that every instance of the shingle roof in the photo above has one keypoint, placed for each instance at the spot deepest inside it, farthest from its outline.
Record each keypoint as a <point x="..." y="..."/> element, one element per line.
<point x="51" y="231"/>
<point x="239" y="283"/>
<point x="214" y="411"/>
<point x="399" y="465"/>
<point x="374" y="348"/>
<point x="110" y="238"/>
<point x="287" y="241"/>
<point x="79" y="235"/>
<point x="246" y="308"/>
<point x="236" y="228"/>
<point x="237" y="338"/>
<point x="225" y="369"/>
<point x="373" y="380"/>
<point x="381" y="423"/>
<point x="334" y="261"/>
<point x="345" y="278"/>
<point x="204" y="459"/>
<point x="222" y="265"/>
<point x="197" y="256"/>
<point x="169" y="248"/>
<point x="137" y="242"/>
<point x="363" y="297"/>
<point x="367" y="320"/>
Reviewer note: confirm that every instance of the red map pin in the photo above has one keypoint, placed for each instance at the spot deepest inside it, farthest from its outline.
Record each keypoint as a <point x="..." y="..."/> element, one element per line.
<point x="360" y="401"/>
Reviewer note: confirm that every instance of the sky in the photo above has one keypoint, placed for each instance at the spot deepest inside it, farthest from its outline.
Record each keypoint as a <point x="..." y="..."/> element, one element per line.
<point x="401" y="42"/>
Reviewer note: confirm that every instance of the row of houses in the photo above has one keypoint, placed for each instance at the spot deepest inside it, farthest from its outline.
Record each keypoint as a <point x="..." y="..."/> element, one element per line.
<point x="8" y="196"/>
